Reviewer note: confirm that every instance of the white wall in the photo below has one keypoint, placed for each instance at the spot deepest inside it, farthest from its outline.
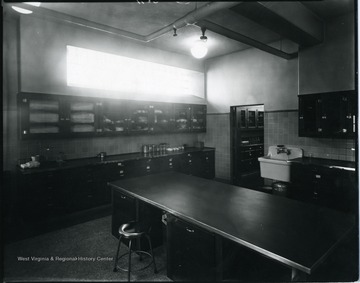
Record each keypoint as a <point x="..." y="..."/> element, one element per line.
<point x="251" y="77"/>
<point x="43" y="56"/>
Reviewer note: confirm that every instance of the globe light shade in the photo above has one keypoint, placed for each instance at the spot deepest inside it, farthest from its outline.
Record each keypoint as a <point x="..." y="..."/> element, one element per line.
<point x="21" y="10"/>
<point x="199" y="50"/>
<point x="36" y="4"/>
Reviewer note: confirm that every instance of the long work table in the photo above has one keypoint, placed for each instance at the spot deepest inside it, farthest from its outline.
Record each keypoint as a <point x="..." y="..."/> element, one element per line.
<point x="296" y="234"/>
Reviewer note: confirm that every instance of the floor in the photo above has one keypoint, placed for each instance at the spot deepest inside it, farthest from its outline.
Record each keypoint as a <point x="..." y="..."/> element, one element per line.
<point x="83" y="252"/>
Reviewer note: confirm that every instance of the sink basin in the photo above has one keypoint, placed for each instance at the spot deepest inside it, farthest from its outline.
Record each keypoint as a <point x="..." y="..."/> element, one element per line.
<point x="276" y="164"/>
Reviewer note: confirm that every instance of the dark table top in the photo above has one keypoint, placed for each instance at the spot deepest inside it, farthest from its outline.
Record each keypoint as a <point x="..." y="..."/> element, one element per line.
<point x="297" y="234"/>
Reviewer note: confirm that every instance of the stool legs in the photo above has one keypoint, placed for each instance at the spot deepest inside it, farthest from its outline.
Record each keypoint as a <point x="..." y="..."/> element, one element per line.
<point x="129" y="269"/>
<point x="152" y="252"/>
<point x="117" y="255"/>
<point x="137" y="250"/>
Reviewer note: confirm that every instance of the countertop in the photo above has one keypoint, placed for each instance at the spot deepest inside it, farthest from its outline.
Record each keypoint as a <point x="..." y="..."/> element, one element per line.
<point x="329" y="163"/>
<point x="297" y="234"/>
<point x="73" y="163"/>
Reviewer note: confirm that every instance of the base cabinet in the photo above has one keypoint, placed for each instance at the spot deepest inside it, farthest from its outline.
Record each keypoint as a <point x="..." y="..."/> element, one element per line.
<point x="201" y="164"/>
<point x="191" y="252"/>
<point x="62" y="191"/>
<point x="329" y="187"/>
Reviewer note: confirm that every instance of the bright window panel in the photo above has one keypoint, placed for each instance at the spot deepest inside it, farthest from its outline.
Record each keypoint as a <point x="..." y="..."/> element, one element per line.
<point x="98" y="70"/>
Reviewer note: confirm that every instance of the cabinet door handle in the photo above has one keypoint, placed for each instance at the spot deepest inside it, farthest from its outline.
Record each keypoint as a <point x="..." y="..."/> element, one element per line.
<point x="190" y="230"/>
<point x="317" y="176"/>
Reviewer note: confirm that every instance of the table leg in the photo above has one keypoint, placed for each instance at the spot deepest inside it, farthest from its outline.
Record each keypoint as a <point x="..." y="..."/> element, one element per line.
<point x="297" y="275"/>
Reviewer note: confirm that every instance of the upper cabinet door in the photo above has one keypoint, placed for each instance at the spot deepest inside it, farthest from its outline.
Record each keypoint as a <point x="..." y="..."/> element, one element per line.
<point x="40" y="116"/>
<point x="307" y="115"/>
<point x="138" y="117"/>
<point x="161" y="117"/>
<point x="249" y="116"/>
<point x="82" y="116"/>
<point x="182" y="114"/>
<point x="198" y="118"/>
<point x="331" y="115"/>
<point x="114" y="117"/>
<point x="348" y="110"/>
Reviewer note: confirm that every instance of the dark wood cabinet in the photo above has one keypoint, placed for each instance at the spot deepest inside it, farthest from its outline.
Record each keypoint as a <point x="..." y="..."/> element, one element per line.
<point x="247" y="144"/>
<point x="201" y="164"/>
<point x="329" y="187"/>
<point x="43" y="195"/>
<point x="249" y="116"/>
<point x="331" y="115"/>
<point x="62" y="192"/>
<point x="191" y="252"/>
<point x="56" y="116"/>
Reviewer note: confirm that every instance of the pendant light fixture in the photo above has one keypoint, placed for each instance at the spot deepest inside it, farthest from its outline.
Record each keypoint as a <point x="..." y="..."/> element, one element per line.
<point x="23" y="10"/>
<point x="199" y="50"/>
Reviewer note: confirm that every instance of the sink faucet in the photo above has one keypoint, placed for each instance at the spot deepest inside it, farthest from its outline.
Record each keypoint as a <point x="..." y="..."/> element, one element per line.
<point x="283" y="150"/>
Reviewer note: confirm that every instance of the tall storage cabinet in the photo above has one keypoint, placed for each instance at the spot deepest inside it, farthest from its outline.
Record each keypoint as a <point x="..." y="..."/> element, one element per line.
<point x="247" y="144"/>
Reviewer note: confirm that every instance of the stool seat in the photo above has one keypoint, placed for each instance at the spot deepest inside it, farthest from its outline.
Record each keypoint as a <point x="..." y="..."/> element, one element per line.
<point x="134" y="231"/>
<point x="131" y="230"/>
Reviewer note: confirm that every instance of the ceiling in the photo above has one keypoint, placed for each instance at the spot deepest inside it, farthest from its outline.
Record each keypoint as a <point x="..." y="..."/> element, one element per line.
<point x="231" y="27"/>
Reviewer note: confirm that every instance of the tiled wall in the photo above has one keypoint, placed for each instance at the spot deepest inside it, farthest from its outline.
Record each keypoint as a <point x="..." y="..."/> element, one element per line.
<point x="281" y="127"/>
<point x="218" y="136"/>
<point x="90" y="147"/>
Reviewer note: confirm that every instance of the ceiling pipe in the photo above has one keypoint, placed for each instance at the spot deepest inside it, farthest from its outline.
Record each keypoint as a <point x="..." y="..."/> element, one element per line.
<point x="192" y="18"/>
<point x="247" y="40"/>
<point x="188" y="19"/>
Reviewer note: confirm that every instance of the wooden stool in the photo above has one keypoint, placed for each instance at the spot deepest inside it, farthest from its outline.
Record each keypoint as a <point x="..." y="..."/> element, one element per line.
<point x="134" y="231"/>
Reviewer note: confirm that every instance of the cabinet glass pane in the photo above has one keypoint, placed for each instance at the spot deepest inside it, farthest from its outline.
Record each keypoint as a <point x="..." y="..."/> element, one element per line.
<point x="252" y="119"/>
<point x="182" y="119"/>
<point x="260" y="119"/>
<point x="139" y="118"/>
<point x="82" y="116"/>
<point x="198" y="119"/>
<point x="161" y="118"/>
<point x="114" y="117"/>
<point x="43" y="116"/>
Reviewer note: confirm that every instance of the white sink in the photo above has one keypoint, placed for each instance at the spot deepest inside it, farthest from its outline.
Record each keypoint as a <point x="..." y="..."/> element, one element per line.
<point x="276" y="164"/>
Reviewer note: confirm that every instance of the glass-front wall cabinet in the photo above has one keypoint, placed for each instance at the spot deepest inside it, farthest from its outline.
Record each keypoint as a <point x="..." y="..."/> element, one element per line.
<point x="182" y="117"/>
<point x="114" y="117"/>
<point x="161" y="117"/>
<point x="45" y="115"/>
<point x="82" y="116"/>
<point x="198" y="117"/>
